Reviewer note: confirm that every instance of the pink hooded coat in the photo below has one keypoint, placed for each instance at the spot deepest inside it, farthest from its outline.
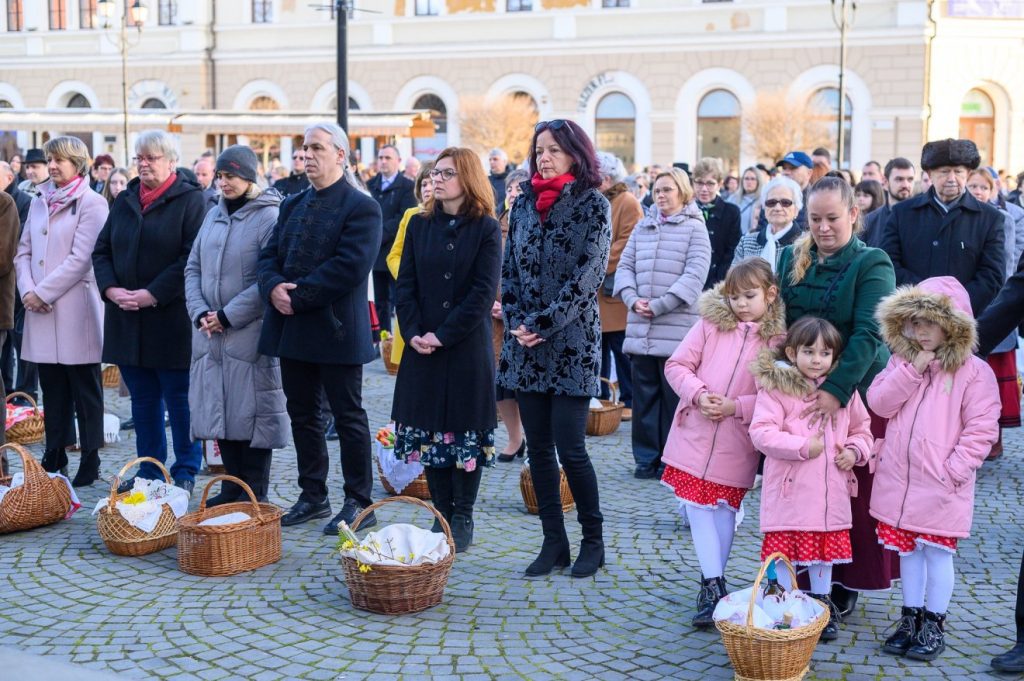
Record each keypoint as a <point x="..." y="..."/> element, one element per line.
<point x="715" y="357"/>
<point x="798" y="493"/>
<point x="942" y="424"/>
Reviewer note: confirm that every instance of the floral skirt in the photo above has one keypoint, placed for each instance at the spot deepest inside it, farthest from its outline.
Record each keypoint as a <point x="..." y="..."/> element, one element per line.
<point x="906" y="542"/>
<point x="443" y="450"/>
<point x="693" y="491"/>
<point x="809" y="548"/>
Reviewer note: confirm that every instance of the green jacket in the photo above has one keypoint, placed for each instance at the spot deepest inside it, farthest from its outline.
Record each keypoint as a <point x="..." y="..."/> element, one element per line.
<point x="844" y="289"/>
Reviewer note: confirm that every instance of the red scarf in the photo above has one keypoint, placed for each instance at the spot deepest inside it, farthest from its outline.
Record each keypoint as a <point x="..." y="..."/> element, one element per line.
<point x="148" y="196"/>
<point x="548" y="191"/>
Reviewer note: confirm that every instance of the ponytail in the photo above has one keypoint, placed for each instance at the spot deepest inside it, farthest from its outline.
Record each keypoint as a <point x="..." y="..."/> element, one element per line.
<point x="802" y="246"/>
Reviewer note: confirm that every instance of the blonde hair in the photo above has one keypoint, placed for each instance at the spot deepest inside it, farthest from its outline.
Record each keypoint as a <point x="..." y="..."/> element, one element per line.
<point x="802" y="246"/>
<point x="71" y="149"/>
<point x="709" y="166"/>
<point x="681" y="180"/>
<point x="253" y="191"/>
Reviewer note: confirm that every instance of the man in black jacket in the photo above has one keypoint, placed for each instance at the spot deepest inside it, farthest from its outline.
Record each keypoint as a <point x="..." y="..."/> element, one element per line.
<point x="498" y="161"/>
<point x="296" y="180"/>
<point x="313" y="274"/>
<point x="946" y="231"/>
<point x="721" y="218"/>
<point x="394" y="193"/>
<point x="899" y="185"/>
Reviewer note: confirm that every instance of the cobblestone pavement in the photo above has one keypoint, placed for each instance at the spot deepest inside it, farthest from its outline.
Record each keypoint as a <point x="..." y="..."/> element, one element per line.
<point x="68" y="599"/>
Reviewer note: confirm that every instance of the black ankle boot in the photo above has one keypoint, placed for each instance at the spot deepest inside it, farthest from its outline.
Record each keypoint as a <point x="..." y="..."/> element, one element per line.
<point x="439" y="482"/>
<point x="906" y="629"/>
<point x="931" y="639"/>
<point x="462" y="532"/>
<point x="590" y="559"/>
<point x="554" y="552"/>
<point x="88" y="469"/>
<point x="465" y="487"/>
<point x="712" y="590"/>
<point x="1010" y="661"/>
<point x="844" y="599"/>
<point x="831" y="630"/>
<point x="55" y="461"/>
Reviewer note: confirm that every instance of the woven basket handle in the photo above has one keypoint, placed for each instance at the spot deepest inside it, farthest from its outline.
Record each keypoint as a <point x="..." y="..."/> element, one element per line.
<point x="35" y="407"/>
<point x="612" y="389"/>
<point x="240" y="483"/>
<point x="408" y="500"/>
<point x="124" y="469"/>
<point x="760" y="576"/>
<point x="33" y="470"/>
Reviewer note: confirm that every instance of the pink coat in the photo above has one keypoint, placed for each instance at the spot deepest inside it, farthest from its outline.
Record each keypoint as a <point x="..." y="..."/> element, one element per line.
<point x="715" y="356"/>
<point x="798" y="493"/>
<point x="55" y="261"/>
<point x="942" y="423"/>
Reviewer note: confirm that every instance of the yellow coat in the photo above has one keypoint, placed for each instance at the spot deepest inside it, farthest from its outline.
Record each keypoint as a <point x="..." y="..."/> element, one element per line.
<point x="393" y="260"/>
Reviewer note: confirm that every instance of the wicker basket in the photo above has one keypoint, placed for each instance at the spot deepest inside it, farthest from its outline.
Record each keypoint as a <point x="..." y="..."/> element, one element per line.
<point x="606" y="420"/>
<point x="221" y="550"/>
<point x="399" y="589"/>
<point x="111" y="376"/>
<point x="123" y="538"/>
<point x="40" y="501"/>
<point x="767" y="654"/>
<point x="530" y="496"/>
<point x="385" y="354"/>
<point x="30" y="430"/>
<point x="417" y="488"/>
<point x="5" y="476"/>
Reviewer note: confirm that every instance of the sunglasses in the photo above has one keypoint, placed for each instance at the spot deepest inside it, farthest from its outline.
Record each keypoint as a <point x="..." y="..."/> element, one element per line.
<point x="556" y="124"/>
<point x="771" y="203"/>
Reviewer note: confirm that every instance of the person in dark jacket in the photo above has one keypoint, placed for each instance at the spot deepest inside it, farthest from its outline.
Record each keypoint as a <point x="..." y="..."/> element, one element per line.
<point x="393" y="191"/>
<point x="780" y="203"/>
<point x="139" y="260"/>
<point x="946" y="231"/>
<point x="27" y="373"/>
<point x="721" y="217"/>
<point x="102" y="166"/>
<point x="296" y="180"/>
<point x="500" y="167"/>
<point x="444" y="406"/>
<point x="313" y="273"/>
<point x="899" y="186"/>
<point x="7" y="184"/>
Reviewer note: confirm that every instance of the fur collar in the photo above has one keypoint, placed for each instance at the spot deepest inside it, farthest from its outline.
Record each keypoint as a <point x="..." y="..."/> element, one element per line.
<point x="714" y="308"/>
<point x="775" y="374"/>
<point x="615" y="190"/>
<point x="895" y="312"/>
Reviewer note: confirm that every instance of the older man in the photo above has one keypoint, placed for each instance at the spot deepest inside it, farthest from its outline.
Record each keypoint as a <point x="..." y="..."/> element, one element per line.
<point x="899" y="186"/>
<point x="296" y="180"/>
<point x="872" y="170"/>
<point x="498" y="161"/>
<point x="412" y="168"/>
<point x="203" y="170"/>
<point x="394" y="194"/>
<point x="35" y="172"/>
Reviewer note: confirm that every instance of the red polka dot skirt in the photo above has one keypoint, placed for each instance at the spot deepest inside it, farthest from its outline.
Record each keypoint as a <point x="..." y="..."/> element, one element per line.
<point x="702" y="493"/>
<point x="809" y="548"/>
<point x="906" y="542"/>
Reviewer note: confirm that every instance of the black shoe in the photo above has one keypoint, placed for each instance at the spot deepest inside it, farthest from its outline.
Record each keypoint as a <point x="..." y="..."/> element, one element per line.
<point x="644" y="472"/>
<point x="590" y="559"/>
<point x="906" y="630"/>
<point x="331" y="433"/>
<point x="831" y="630"/>
<point x="185" y="484"/>
<point x="55" y="461"/>
<point x="711" y="591"/>
<point x="554" y="552"/>
<point x="931" y="638"/>
<point x="844" y="599"/>
<point x="228" y="497"/>
<point x="88" y="469"/>
<point x="126" y="485"/>
<point x="462" y="532"/>
<point x="303" y="511"/>
<point x="128" y="424"/>
<point x="512" y="457"/>
<point x="349" y="510"/>
<point x="1010" y="661"/>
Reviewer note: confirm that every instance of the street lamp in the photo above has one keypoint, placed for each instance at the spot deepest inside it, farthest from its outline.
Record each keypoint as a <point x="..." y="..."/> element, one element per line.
<point x="842" y="15"/>
<point x="105" y="10"/>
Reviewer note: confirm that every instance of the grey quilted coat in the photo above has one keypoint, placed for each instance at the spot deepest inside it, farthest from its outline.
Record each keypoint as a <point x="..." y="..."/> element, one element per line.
<point x="234" y="392"/>
<point x="665" y="262"/>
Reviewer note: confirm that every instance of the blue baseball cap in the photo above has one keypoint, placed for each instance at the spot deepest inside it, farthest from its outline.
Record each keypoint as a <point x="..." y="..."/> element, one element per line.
<point x="797" y="158"/>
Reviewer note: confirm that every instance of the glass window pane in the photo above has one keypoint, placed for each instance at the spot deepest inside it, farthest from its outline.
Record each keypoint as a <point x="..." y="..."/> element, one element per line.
<point x="78" y="101"/>
<point x="719" y="104"/>
<point x="976" y="105"/>
<point x="827" y="99"/>
<point x="153" y="103"/>
<point x="616" y="105"/>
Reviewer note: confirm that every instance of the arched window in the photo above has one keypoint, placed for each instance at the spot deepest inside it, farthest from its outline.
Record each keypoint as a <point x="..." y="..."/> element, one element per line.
<point x="718" y="127"/>
<point x="78" y="101"/>
<point x="265" y="146"/>
<point x="827" y="100"/>
<point x="8" y="138"/>
<point x="154" y="103"/>
<point x="332" y="104"/>
<point x="977" y="123"/>
<point x="430" y="147"/>
<point x="615" y="126"/>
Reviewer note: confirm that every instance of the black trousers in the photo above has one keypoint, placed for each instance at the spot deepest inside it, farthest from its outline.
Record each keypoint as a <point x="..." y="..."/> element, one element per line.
<point x="1019" y="614"/>
<point x="69" y="389"/>
<point x="611" y="344"/>
<point x="383" y="287"/>
<point x="343" y="386"/>
<point x="654" y="405"/>
<point x="251" y="464"/>
<point x="27" y="378"/>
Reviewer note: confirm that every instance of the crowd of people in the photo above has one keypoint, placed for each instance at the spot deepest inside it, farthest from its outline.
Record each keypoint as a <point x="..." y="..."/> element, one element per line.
<point x="791" y="327"/>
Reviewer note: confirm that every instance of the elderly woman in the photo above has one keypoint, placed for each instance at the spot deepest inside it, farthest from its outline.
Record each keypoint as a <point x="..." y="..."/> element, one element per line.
<point x="747" y="198"/>
<point x="781" y="201"/>
<point x="721" y="218"/>
<point x="235" y="394"/>
<point x="556" y="257"/>
<point x="660" y="276"/>
<point x="140" y="263"/>
<point x="63" y="315"/>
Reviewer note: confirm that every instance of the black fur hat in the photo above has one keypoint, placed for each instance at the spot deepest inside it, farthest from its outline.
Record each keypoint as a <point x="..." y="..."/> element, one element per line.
<point x="950" y="152"/>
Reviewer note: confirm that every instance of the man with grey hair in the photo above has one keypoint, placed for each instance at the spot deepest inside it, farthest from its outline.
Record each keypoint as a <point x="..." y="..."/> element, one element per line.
<point x="394" y="193"/>
<point x="313" y="275"/>
<point x="21" y="199"/>
<point x="35" y="172"/>
<point x="498" y="161"/>
<point x="203" y="170"/>
<point x="412" y="168"/>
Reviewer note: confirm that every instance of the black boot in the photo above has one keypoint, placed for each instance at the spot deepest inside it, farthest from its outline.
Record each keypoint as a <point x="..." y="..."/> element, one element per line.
<point x="931" y="639"/>
<point x="464" y="487"/>
<point x="554" y="552"/>
<point x="712" y="590"/>
<point x="55" y="461"/>
<point x="831" y="630"/>
<point x="254" y="469"/>
<point x="844" y="599"/>
<point x="88" y="469"/>
<point x="906" y="629"/>
<point x="229" y="491"/>
<point x="439" y="482"/>
<point x="1010" y="661"/>
<point x="583" y="484"/>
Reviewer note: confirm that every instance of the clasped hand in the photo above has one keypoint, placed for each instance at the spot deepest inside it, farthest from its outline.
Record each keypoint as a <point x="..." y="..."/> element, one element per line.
<point x="643" y="308"/>
<point x="210" y="324"/>
<point x="526" y="338"/>
<point x="130" y="301"/>
<point x="34" y="303"/>
<point x="716" y="407"/>
<point x="425" y="344"/>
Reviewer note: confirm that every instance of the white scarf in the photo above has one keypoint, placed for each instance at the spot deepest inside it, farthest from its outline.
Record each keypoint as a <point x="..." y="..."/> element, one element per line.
<point x="771" y="244"/>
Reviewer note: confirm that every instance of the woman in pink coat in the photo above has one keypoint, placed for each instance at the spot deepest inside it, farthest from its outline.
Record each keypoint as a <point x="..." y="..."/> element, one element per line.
<point x="63" y="312"/>
<point x="943" y="407"/>
<point x="808" y="468"/>
<point x="709" y="460"/>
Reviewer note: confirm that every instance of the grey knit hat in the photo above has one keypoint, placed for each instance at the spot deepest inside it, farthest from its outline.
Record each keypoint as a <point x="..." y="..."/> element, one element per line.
<point x="239" y="160"/>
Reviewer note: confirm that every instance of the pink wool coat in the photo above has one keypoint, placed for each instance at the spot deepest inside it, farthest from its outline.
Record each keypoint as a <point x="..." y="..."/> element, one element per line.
<point x="799" y="493"/>
<point x="715" y="356"/>
<point x="942" y="423"/>
<point x="55" y="261"/>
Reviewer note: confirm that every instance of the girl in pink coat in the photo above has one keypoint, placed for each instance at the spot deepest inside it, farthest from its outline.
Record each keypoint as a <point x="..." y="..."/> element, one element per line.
<point x="943" y="407"/>
<point x="709" y="460"/>
<point x="808" y="468"/>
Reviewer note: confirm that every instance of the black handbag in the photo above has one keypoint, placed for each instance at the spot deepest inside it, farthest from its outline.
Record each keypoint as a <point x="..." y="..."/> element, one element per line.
<point x="608" y="285"/>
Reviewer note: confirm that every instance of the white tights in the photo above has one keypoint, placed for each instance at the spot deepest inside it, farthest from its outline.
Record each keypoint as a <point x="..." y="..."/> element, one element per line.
<point x="820" y="576"/>
<point x="928" y="570"/>
<point x="712" y="530"/>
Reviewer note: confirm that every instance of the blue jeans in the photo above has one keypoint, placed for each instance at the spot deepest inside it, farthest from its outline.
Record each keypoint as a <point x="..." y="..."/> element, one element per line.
<point x="151" y="391"/>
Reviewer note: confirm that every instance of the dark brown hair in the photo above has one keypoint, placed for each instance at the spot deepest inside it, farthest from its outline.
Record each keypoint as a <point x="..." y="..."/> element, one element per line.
<point x="806" y="331"/>
<point x="479" y="197"/>
<point x="424" y="174"/>
<point x="753" y="272"/>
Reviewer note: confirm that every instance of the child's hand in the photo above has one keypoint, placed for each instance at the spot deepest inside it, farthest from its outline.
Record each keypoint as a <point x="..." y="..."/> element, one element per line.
<point x="726" y="407"/>
<point x="922" y="360"/>
<point x="845" y="459"/>
<point x="816" y="447"/>
<point x="708" y="404"/>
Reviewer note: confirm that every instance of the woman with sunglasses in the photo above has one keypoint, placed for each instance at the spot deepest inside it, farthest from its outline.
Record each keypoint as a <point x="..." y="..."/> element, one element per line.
<point x="555" y="259"/>
<point x="781" y="202"/>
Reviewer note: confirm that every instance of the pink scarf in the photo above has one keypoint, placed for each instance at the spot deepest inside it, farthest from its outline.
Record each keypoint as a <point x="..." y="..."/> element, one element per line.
<point x="59" y="198"/>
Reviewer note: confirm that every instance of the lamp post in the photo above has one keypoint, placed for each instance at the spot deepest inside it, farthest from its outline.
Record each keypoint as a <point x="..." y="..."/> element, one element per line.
<point x="843" y="21"/>
<point x="105" y="10"/>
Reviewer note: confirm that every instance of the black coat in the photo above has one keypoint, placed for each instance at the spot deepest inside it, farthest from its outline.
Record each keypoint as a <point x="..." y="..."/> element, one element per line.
<point x="1003" y="314"/>
<point x="874" y="226"/>
<point x="293" y="184"/>
<point x="967" y="243"/>
<point x="446" y="281"/>
<point x="325" y="242"/>
<point x="394" y="201"/>
<point x="22" y="200"/>
<point x="136" y="251"/>
<point x="723" y="223"/>
<point x="497" y="181"/>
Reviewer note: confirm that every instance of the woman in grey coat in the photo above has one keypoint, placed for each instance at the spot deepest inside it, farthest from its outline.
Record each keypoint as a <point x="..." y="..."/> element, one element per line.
<point x="660" y="276"/>
<point x="235" y="393"/>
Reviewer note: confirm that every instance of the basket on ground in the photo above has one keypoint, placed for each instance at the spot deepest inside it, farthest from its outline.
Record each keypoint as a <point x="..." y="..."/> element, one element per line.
<point x="417" y="488"/>
<point x="386" y="344"/>
<point x="769" y="654"/>
<point x="111" y="376"/>
<point x="606" y="420"/>
<point x="221" y="550"/>
<point x="123" y="538"/>
<point x="399" y="589"/>
<point x="30" y="430"/>
<point x="40" y="501"/>
<point x="530" y="496"/>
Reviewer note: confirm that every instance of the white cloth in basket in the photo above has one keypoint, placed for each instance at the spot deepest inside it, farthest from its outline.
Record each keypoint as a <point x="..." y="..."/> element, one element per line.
<point x="400" y="539"/>
<point x="146" y="515"/>
<point x="398" y="473"/>
<point x="768" y="612"/>
<point x="18" y="479"/>
<point x="227" y="519"/>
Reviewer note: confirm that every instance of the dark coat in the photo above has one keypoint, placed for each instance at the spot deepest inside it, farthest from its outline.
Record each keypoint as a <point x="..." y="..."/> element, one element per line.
<point x="398" y="198"/>
<point x="1003" y="314"/>
<point x="325" y="242"/>
<point x="723" y="222"/>
<point x="293" y="184"/>
<point x="967" y="243"/>
<point x="22" y="200"/>
<point x="10" y="231"/>
<point x="136" y="251"/>
<point x="497" y="181"/>
<point x="874" y="225"/>
<point x="450" y="268"/>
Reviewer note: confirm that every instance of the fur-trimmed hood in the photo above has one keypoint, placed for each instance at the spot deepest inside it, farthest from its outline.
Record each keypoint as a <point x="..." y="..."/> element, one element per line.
<point x="776" y="374"/>
<point x="942" y="300"/>
<point x="714" y="308"/>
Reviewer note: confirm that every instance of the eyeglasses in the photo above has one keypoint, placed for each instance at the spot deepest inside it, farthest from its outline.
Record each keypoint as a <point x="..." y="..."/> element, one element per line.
<point x="443" y="173"/>
<point x="298" y="157"/>
<point x="771" y="203"/>
<point x="147" y="159"/>
<point x="709" y="184"/>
